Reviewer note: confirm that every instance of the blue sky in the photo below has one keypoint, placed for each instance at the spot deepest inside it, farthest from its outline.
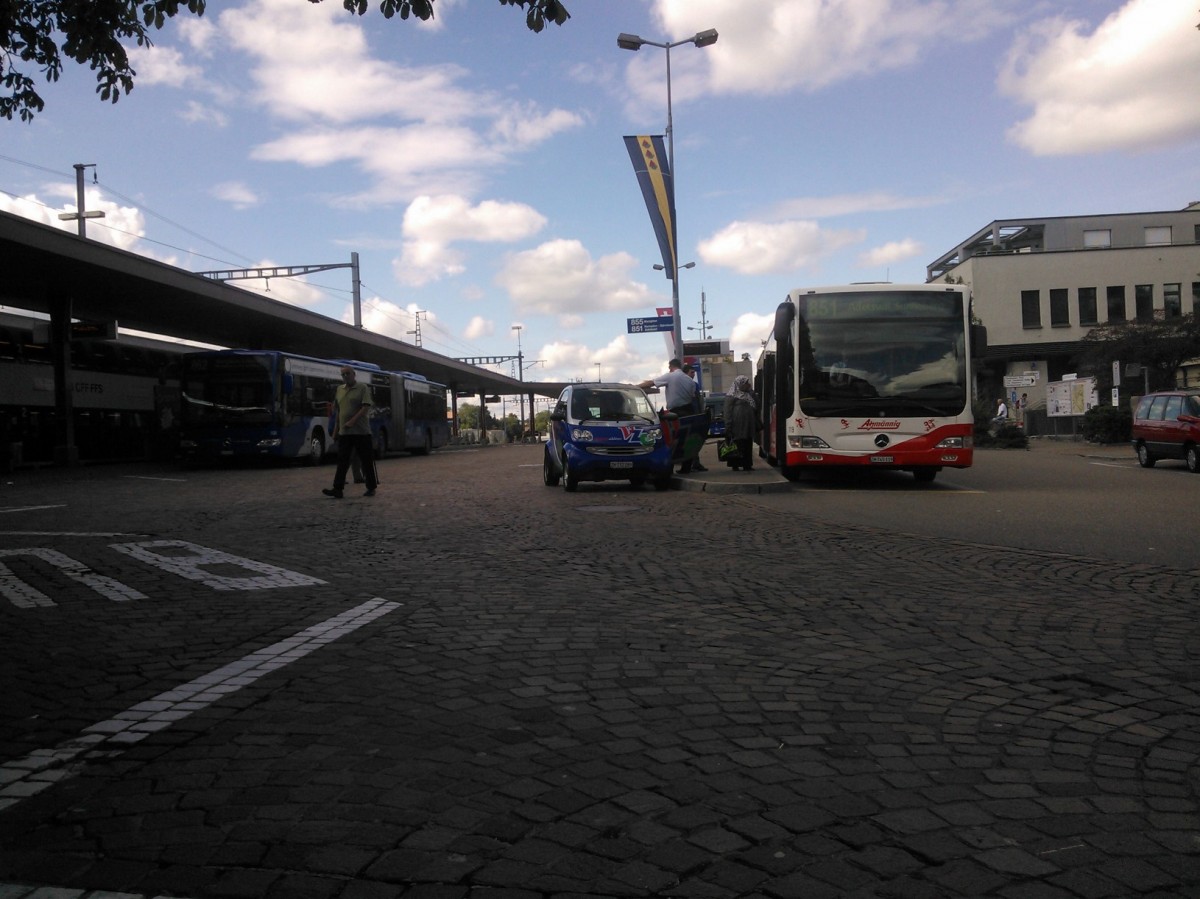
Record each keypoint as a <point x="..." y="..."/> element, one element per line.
<point x="478" y="169"/>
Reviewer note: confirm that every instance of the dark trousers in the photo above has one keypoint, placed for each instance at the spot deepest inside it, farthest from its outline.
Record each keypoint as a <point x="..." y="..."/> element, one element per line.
<point x="347" y="445"/>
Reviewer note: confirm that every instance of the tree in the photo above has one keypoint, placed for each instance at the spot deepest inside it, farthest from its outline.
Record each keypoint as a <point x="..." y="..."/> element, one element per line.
<point x="468" y="417"/>
<point x="1161" y="345"/>
<point x="92" y="31"/>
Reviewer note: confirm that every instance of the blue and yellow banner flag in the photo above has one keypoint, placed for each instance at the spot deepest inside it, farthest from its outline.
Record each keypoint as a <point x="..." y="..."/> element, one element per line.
<point x="649" y="158"/>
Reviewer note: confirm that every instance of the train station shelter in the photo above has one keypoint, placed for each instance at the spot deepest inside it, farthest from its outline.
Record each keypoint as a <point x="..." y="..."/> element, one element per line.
<point x="68" y="277"/>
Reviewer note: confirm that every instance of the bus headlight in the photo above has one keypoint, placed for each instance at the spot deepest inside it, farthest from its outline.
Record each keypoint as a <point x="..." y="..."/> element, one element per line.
<point x="955" y="443"/>
<point x="799" y="441"/>
<point x="270" y="443"/>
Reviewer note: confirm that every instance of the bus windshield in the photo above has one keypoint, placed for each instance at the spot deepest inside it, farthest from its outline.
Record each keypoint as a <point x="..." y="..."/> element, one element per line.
<point x="227" y="388"/>
<point x="892" y="364"/>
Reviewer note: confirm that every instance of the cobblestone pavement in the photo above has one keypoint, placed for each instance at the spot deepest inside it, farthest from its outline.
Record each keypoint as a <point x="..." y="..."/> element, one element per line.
<point x="222" y="684"/>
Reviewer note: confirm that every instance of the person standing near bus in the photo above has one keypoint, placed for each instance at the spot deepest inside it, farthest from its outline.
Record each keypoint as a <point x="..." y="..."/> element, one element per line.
<point x="352" y="431"/>
<point x="741" y="422"/>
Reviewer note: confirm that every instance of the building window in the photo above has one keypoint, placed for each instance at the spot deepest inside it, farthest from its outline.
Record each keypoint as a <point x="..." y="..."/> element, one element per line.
<point x="1093" y="239"/>
<point x="1031" y="308"/>
<point x="1159" y="236"/>
<point x="1196" y="296"/>
<point x="1172" y="301"/>
<point x="1196" y="234"/>
<point x="1060" y="313"/>
<point x="1143" y="302"/>
<point x="1116" y="303"/>
<point x="1087" y="306"/>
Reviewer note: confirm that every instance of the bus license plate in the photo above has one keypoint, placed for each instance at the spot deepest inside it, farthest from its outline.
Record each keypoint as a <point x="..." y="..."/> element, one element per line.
<point x="620" y="464"/>
<point x="886" y="460"/>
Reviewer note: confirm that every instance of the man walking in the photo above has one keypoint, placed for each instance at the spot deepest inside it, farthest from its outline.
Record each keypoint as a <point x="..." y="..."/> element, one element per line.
<point x="352" y="431"/>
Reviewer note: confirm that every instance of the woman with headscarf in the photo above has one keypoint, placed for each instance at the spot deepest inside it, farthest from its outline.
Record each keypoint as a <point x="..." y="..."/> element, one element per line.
<point x="741" y="422"/>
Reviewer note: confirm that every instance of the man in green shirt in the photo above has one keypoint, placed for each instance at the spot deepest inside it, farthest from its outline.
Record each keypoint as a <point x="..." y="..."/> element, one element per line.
<point x="352" y="431"/>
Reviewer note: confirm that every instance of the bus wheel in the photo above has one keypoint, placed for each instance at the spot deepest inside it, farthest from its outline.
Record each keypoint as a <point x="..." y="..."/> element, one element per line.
<point x="924" y="475"/>
<point x="382" y="445"/>
<point x="316" y="449"/>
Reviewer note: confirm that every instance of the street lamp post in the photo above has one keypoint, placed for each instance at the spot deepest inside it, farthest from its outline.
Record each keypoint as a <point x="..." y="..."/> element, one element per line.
<point x="633" y="42"/>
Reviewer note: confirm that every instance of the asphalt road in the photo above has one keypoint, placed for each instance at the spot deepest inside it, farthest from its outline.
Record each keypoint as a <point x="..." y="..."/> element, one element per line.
<point x="218" y="683"/>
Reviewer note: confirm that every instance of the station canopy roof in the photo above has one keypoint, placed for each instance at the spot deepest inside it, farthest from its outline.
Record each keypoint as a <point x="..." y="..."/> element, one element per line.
<point x="41" y="263"/>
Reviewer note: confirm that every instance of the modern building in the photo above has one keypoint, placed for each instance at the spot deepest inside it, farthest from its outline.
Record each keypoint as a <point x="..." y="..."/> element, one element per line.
<point x="1041" y="284"/>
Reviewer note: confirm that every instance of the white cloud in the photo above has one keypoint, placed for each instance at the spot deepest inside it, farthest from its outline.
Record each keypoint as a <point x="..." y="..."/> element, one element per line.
<point x="749" y="332"/>
<point x="411" y="129"/>
<point x="121" y="226"/>
<point x="760" y="248"/>
<point x="479" y="327"/>
<point x="198" y="113"/>
<point x="162" y="65"/>
<point x="849" y="204"/>
<point x="561" y="278"/>
<point x="236" y="193"/>
<point x="1129" y="85"/>
<point x="801" y="44"/>
<point x="433" y="224"/>
<point x="893" y="251"/>
<point x="389" y="319"/>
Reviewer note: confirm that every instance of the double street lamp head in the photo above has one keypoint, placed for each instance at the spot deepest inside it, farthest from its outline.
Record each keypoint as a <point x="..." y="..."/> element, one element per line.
<point x="700" y="39"/>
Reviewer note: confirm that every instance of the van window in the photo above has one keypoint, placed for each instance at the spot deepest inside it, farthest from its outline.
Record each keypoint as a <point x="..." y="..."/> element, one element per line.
<point x="1174" y="408"/>
<point x="1157" y="407"/>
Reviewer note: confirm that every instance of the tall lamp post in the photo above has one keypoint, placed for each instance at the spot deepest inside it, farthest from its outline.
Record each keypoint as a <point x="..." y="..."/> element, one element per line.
<point x="633" y="42"/>
<point x="520" y="374"/>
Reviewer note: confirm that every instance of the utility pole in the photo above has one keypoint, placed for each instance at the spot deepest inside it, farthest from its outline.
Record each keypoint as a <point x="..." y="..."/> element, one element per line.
<point x="417" y="330"/>
<point x="80" y="215"/>
<point x="704" y="327"/>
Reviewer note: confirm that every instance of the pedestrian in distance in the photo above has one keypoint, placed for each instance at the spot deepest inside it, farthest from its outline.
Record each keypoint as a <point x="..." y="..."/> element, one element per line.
<point x="1000" y="419"/>
<point x="352" y="431"/>
<point x="741" y="422"/>
<point x="697" y="408"/>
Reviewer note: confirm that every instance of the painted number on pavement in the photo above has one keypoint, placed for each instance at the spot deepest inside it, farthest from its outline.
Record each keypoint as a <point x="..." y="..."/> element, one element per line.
<point x="178" y="557"/>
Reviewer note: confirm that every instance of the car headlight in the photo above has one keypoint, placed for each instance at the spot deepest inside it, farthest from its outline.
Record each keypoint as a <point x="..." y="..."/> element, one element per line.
<point x="654" y="435"/>
<point x="581" y="435"/>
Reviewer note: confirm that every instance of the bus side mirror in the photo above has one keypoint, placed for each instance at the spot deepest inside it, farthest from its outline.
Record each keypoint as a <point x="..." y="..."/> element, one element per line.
<point x="288" y="384"/>
<point x="978" y="341"/>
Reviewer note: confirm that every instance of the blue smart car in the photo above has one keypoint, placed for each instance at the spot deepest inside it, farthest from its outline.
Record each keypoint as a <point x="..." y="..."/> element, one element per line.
<point x="606" y="432"/>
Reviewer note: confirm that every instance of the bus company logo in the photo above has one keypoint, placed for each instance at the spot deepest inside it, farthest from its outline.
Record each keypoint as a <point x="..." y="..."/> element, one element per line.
<point x="883" y="424"/>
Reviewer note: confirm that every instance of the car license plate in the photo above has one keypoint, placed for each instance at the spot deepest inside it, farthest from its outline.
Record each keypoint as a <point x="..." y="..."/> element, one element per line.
<point x="620" y="464"/>
<point x="884" y="459"/>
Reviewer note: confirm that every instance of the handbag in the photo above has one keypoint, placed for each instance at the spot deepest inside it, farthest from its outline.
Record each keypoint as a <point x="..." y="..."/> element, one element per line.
<point x="726" y="450"/>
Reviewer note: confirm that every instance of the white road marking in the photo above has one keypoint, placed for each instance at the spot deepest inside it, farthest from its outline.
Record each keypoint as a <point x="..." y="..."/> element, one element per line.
<point x="42" y="768"/>
<point x="32" y="508"/>
<point x="142" y="477"/>
<point x="23" y="596"/>
<point x="190" y="564"/>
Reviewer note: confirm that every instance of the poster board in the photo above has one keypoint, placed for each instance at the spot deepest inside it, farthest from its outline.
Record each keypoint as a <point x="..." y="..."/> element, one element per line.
<point x="1067" y="398"/>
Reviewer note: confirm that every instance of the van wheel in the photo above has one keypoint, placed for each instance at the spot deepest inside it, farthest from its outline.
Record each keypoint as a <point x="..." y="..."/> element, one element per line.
<point x="1192" y="457"/>
<point x="1146" y="458"/>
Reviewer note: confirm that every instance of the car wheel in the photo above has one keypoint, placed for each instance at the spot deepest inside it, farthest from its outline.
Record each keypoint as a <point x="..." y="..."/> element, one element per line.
<point x="1191" y="455"/>
<point x="662" y="483"/>
<point x="1145" y="457"/>
<point x="637" y="482"/>
<point x="549" y="472"/>
<point x="570" y="481"/>
<point x="316" y="449"/>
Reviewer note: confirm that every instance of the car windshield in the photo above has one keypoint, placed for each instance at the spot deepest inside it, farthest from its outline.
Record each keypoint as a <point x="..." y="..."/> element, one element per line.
<point x="610" y="404"/>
